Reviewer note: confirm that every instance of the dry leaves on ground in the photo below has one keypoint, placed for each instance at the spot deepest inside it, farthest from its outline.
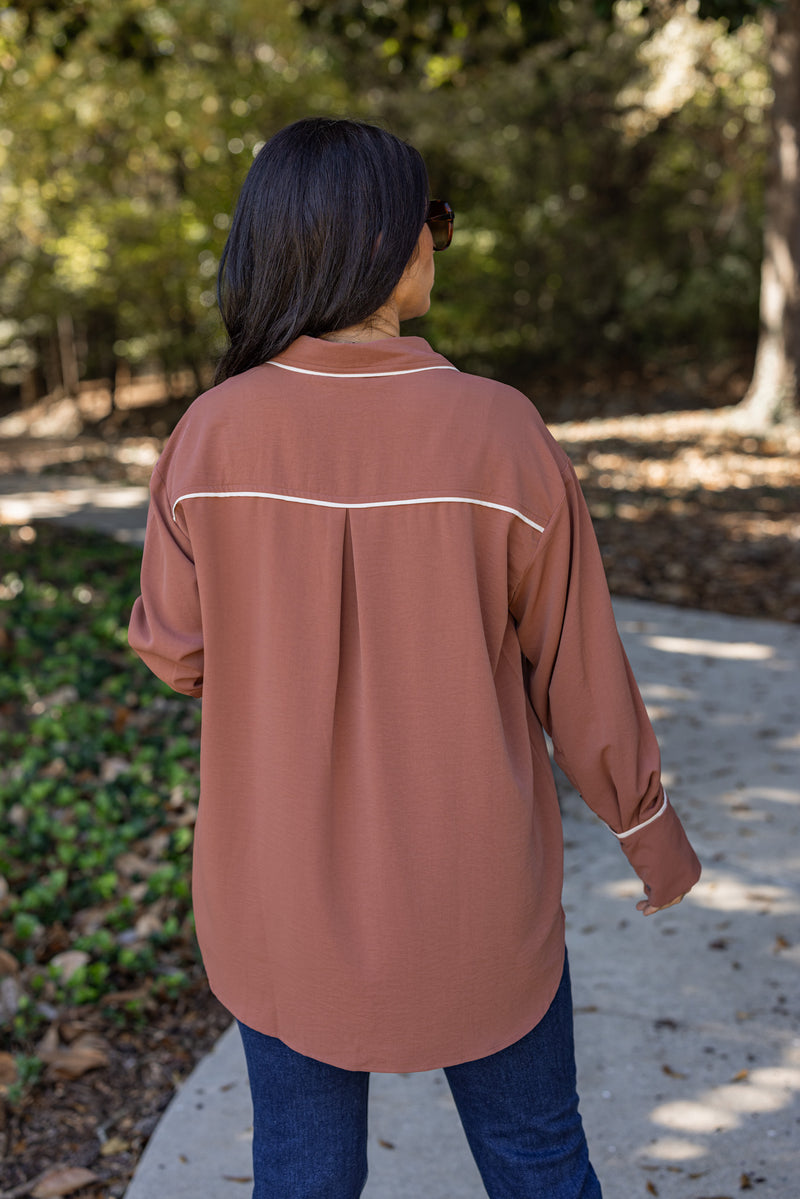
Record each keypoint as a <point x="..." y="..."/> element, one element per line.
<point x="690" y="511"/>
<point x="64" y="1180"/>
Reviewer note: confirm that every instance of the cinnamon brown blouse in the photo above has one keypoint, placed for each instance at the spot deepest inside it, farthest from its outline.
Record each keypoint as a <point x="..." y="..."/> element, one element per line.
<point x="381" y="576"/>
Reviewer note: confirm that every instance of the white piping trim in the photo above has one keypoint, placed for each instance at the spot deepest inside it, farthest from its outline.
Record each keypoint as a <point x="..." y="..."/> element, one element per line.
<point x="299" y="370"/>
<point x="298" y="499"/>
<point x="631" y="831"/>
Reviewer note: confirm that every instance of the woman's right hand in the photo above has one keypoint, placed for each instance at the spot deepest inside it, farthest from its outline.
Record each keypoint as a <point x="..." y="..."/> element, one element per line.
<point x="647" y="909"/>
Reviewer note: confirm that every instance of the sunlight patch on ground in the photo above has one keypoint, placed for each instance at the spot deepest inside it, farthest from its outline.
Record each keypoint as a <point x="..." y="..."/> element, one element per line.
<point x="38" y="505"/>
<point x="671" y="1149"/>
<point x="622" y="888"/>
<point x="661" y="700"/>
<point x="782" y="795"/>
<point x="663" y="691"/>
<point x="143" y="452"/>
<point x="749" y="1098"/>
<point x="720" y="893"/>
<point x="698" y="1116"/>
<point x="756" y="1092"/>
<point x="743" y="651"/>
<point x="726" y="893"/>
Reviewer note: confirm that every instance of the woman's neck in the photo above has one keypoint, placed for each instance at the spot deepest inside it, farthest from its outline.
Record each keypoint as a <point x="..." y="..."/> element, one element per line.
<point x="383" y="323"/>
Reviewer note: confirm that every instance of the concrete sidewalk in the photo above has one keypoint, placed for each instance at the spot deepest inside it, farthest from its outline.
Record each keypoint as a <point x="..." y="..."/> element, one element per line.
<point x="117" y="509"/>
<point x="687" y="1024"/>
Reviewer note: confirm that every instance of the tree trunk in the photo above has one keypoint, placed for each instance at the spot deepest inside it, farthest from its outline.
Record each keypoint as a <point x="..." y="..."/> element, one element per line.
<point x="774" y="393"/>
<point x="51" y="365"/>
<point x="68" y="353"/>
<point x="28" y="392"/>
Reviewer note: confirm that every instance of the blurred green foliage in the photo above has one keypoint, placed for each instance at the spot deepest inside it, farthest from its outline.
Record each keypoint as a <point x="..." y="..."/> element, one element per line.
<point x="605" y="161"/>
<point x="126" y="129"/>
<point x="98" y="782"/>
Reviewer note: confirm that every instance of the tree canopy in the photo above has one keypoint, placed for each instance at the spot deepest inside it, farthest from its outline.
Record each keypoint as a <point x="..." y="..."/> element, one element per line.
<point x="605" y="161"/>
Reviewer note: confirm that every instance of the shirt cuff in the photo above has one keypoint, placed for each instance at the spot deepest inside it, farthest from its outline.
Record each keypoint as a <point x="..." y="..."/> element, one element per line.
<point x="661" y="855"/>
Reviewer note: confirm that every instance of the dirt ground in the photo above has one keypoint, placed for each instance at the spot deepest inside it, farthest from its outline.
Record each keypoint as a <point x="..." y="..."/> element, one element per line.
<point x="690" y="511"/>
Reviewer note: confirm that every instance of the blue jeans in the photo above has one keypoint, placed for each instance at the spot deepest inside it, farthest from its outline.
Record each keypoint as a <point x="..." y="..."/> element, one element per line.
<point x="519" y="1109"/>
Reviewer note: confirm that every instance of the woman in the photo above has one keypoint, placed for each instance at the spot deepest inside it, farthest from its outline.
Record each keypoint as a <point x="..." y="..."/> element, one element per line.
<point x="381" y="576"/>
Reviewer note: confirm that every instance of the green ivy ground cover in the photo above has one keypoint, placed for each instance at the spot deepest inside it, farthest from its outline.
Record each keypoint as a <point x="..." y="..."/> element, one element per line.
<point x="98" y="790"/>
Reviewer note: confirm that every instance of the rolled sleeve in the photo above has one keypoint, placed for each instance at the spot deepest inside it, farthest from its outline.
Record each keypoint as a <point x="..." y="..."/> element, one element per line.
<point x="165" y="627"/>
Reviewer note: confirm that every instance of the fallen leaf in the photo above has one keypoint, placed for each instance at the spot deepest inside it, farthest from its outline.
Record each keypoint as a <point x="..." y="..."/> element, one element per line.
<point x="157" y="842"/>
<point x="63" y="1180"/>
<point x="10" y="995"/>
<point x="177" y="796"/>
<point x="8" y="1069"/>
<point x="130" y="864"/>
<point x="117" y="998"/>
<point x="781" y="943"/>
<point x="740" y="1076"/>
<point x="88" y="1052"/>
<point x="49" y="1042"/>
<point x="672" y="1073"/>
<point x="88" y="920"/>
<point x="114" y="1145"/>
<point x="651" y="1188"/>
<point x="8" y="963"/>
<point x="70" y="1030"/>
<point x="385" y="1144"/>
<point x="121" y="718"/>
<point x="238" y="1177"/>
<point x="55" y="769"/>
<point x="745" y="1183"/>
<point x="187" y="816"/>
<point x="112" y="768"/>
<point x="18" y="816"/>
<point x="148" y="924"/>
<point x="69" y="962"/>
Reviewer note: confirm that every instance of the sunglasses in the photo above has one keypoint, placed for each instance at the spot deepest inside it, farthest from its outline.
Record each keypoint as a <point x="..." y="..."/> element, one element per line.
<point x="440" y="220"/>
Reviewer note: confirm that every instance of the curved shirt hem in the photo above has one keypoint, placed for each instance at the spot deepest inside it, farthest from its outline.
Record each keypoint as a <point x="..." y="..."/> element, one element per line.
<point x="541" y="991"/>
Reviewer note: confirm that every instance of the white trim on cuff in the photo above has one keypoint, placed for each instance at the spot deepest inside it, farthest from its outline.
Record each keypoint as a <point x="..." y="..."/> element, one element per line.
<point x="631" y="831"/>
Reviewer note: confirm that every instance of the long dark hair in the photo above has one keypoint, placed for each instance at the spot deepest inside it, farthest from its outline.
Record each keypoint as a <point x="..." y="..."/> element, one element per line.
<point x="326" y="221"/>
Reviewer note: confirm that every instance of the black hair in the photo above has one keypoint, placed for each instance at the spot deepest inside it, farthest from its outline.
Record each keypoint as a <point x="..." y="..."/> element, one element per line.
<point x="327" y="219"/>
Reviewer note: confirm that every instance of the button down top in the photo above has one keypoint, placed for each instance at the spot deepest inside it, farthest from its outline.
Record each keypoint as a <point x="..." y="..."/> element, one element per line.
<point x="381" y="576"/>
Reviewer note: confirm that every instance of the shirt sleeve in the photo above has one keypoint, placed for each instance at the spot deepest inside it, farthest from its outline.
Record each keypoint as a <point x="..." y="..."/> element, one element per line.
<point x="165" y="628"/>
<point x="583" y="691"/>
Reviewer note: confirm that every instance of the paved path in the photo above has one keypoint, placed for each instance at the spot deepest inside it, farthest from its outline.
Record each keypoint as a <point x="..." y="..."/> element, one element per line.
<point x="687" y="1024"/>
<point x="114" y="508"/>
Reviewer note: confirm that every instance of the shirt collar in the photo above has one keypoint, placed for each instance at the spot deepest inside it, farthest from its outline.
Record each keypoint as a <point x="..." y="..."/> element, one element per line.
<point x="386" y="356"/>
